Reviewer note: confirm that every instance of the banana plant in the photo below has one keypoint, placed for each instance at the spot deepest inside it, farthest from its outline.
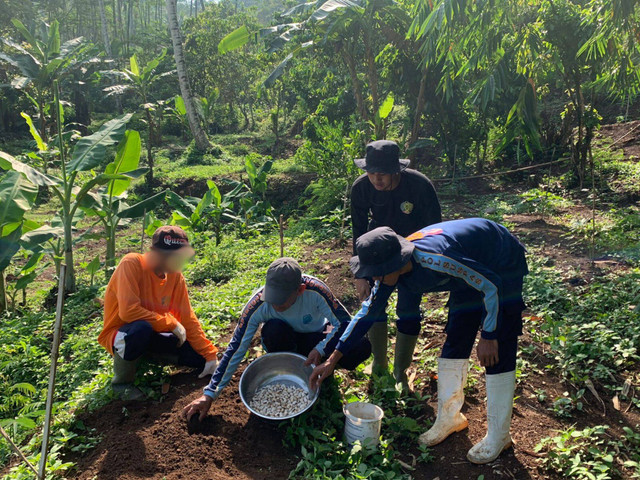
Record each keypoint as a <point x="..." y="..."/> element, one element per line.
<point x="109" y="204"/>
<point x="17" y="196"/>
<point x="140" y="80"/>
<point x="195" y="214"/>
<point x="73" y="185"/>
<point x="114" y="212"/>
<point x="41" y="58"/>
<point x="254" y="210"/>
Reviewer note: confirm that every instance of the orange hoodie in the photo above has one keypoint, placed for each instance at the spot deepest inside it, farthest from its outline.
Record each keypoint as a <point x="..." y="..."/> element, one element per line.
<point x="136" y="293"/>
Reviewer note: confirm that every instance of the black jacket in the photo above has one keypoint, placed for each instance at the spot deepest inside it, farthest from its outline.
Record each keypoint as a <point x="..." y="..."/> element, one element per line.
<point x="412" y="205"/>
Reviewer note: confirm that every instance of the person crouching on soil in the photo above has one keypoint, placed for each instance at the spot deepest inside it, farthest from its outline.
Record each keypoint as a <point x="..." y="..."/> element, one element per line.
<point x="147" y="313"/>
<point x="482" y="266"/>
<point x="298" y="313"/>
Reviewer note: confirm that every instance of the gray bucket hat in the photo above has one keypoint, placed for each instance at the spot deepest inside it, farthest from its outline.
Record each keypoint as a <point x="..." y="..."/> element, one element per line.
<point x="382" y="156"/>
<point x="380" y="252"/>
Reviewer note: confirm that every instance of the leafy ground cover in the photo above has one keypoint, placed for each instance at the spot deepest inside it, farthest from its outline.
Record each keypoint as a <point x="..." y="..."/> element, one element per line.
<point x="576" y="411"/>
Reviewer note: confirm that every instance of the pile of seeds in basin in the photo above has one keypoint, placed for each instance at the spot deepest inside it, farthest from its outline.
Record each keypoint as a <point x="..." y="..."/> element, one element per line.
<point x="278" y="400"/>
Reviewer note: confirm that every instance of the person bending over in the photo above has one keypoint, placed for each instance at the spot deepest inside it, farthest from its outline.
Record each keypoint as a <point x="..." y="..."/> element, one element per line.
<point x="298" y="313"/>
<point x="389" y="194"/>
<point x="483" y="267"/>
<point x="147" y="313"/>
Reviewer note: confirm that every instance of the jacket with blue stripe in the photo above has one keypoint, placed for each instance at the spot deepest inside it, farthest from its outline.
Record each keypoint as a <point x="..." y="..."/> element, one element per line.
<point x="457" y="255"/>
<point x="313" y="309"/>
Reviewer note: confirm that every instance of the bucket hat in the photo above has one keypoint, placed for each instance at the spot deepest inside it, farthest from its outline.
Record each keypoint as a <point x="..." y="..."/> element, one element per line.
<point x="380" y="252"/>
<point x="382" y="156"/>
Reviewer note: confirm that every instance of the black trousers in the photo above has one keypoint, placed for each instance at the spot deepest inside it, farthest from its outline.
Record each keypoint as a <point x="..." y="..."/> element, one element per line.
<point x="278" y="336"/>
<point x="138" y="338"/>
<point x="466" y="311"/>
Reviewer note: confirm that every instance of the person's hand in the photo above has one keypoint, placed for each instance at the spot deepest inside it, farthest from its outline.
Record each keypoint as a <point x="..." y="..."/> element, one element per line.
<point x="324" y="370"/>
<point x="180" y="333"/>
<point x="363" y="289"/>
<point x="209" y="368"/>
<point x="200" y="406"/>
<point x="319" y="373"/>
<point x="314" y="358"/>
<point x="488" y="352"/>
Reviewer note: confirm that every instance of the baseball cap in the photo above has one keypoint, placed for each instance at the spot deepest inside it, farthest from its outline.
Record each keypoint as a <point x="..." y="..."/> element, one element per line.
<point x="284" y="277"/>
<point x="170" y="239"/>
<point x="380" y="252"/>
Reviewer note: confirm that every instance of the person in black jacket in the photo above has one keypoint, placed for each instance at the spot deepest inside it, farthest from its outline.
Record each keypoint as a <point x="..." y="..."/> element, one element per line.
<point x="391" y="195"/>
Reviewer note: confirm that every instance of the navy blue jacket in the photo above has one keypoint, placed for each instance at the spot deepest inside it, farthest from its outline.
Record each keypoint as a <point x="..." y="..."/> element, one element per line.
<point x="460" y="255"/>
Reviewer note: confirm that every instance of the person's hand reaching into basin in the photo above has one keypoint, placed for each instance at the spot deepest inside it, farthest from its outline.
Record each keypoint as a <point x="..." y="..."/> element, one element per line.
<point x="314" y="358"/>
<point x="199" y="406"/>
<point x="324" y="370"/>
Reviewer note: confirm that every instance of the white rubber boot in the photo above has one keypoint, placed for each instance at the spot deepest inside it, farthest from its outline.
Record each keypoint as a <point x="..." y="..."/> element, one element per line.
<point x="452" y="377"/>
<point x="500" y="390"/>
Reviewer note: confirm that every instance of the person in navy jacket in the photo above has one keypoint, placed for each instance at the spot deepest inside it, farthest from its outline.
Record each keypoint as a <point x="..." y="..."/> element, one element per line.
<point x="482" y="265"/>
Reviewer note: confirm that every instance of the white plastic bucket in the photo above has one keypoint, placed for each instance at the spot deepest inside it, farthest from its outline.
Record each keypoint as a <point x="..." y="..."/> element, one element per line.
<point x="362" y="422"/>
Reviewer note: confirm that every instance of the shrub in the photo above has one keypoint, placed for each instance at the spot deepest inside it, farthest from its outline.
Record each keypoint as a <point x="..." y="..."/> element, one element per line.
<point x="213" y="265"/>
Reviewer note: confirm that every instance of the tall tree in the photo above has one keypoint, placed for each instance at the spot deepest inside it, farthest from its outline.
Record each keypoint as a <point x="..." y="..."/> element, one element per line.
<point x="105" y="31"/>
<point x="202" y="142"/>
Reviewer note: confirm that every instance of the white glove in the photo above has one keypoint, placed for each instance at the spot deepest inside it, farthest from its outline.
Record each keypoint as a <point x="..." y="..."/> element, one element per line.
<point x="180" y="333"/>
<point x="209" y="368"/>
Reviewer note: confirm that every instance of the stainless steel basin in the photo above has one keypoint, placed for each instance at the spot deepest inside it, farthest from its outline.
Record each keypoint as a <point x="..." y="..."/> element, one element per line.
<point x="274" y="368"/>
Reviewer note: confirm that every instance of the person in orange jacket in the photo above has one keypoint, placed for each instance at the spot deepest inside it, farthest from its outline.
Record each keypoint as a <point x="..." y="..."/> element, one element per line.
<point x="147" y="312"/>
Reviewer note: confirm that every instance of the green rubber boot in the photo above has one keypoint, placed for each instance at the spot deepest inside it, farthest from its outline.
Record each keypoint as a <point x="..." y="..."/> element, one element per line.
<point x="124" y="374"/>
<point x="378" y="336"/>
<point x="405" y="345"/>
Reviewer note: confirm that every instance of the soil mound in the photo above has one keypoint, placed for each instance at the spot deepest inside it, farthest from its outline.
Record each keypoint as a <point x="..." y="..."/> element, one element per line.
<point x="151" y="440"/>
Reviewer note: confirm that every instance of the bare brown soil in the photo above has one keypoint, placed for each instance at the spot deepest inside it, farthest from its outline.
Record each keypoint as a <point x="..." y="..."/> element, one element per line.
<point x="151" y="440"/>
<point x="625" y="136"/>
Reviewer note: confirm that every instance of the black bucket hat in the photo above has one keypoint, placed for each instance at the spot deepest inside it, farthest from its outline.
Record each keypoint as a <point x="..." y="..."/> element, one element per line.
<point x="380" y="252"/>
<point x="382" y="156"/>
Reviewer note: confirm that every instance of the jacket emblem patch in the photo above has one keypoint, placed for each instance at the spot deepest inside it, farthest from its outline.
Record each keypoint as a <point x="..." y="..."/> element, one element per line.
<point x="424" y="233"/>
<point x="406" y="207"/>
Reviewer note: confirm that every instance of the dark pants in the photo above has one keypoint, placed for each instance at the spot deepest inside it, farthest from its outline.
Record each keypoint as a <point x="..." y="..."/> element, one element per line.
<point x="278" y="336"/>
<point x="466" y="311"/>
<point x="138" y="338"/>
<point x="409" y="318"/>
<point x="408" y="311"/>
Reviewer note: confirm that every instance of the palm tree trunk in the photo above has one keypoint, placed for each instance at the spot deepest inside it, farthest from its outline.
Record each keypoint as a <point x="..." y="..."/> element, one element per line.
<point x="107" y="43"/>
<point x="105" y="32"/>
<point x="202" y="142"/>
